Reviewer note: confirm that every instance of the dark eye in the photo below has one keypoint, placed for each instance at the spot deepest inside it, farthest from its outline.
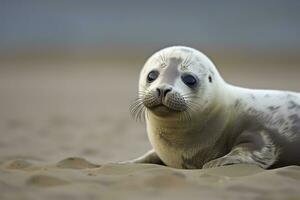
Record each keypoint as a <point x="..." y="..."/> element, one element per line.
<point x="189" y="80"/>
<point x="152" y="76"/>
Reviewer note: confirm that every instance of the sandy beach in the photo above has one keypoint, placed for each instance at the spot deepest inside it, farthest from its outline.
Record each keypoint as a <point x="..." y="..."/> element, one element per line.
<point x="64" y="125"/>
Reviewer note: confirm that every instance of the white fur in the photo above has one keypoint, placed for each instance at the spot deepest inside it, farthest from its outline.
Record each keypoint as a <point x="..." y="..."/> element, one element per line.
<point x="173" y="139"/>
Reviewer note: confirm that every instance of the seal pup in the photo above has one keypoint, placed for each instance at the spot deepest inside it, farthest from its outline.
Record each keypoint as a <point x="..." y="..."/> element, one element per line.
<point x="194" y="119"/>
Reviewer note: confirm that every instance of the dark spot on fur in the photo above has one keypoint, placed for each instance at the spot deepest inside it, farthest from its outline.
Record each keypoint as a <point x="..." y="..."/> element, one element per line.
<point x="259" y="116"/>
<point x="293" y="105"/>
<point x="210" y="79"/>
<point x="249" y="109"/>
<point x="295" y="118"/>
<point x="273" y="108"/>
<point x="295" y="122"/>
<point x="237" y="103"/>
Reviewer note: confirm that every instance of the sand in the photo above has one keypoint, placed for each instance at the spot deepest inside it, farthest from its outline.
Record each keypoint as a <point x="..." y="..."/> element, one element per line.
<point x="64" y="125"/>
<point x="76" y="178"/>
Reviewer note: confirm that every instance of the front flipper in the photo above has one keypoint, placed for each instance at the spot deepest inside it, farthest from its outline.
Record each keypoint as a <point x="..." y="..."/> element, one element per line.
<point x="250" y="148"/>
<point x="150" y="157"/>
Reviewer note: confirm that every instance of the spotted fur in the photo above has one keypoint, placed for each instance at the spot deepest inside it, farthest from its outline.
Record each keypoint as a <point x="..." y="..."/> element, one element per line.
<point x="215" y="123"/>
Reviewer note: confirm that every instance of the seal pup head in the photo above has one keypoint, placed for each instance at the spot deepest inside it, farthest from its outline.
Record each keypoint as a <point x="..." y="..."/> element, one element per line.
<point x="176" y="82"/>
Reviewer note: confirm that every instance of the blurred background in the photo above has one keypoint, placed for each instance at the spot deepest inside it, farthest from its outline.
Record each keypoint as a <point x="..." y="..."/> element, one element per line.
<point x="69" y="69"/>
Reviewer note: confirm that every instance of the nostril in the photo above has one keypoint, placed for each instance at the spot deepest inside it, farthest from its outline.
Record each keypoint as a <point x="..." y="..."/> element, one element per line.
<point x="162" y="92"/>
<point x="158" y="92"/>
<point x="166" y="91"/>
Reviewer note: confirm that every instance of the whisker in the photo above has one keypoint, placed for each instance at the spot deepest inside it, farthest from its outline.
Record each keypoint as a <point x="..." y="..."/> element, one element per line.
<point x="134" y="105"/>
<point x="187" y="115"/>
<point x="184" y="61"/>
<point x="189" y="112"/>
<point x="137" y="108"/>
<point x="146" y="113"/>
<point x="139" y="114"/>
<point x="161" y="58"/>
<point x="191" y="97"/>
<point x="189" y="94"/>
<point x="187" y="61"/>
<point x="184" y="117"/>
<point x="194" y="105"/>
<point x="165" y="58"/>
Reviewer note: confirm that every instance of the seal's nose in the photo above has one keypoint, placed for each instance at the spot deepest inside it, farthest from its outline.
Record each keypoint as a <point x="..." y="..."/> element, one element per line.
<point x="163" y="91"/>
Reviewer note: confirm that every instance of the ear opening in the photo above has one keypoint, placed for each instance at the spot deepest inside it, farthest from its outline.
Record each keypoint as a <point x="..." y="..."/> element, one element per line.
<point x="210" y="78"/>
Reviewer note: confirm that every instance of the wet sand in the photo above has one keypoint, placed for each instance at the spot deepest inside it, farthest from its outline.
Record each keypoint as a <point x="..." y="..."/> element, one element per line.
<point x="63" y="124"/>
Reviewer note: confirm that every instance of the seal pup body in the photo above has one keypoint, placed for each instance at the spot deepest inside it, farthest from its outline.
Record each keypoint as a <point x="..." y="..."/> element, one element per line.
<point x="194" y="119"/>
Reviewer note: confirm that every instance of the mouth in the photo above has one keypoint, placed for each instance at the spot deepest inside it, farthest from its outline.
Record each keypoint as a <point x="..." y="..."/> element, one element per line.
<point x="163" y="110"/>
<point x="172" y="104"/>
